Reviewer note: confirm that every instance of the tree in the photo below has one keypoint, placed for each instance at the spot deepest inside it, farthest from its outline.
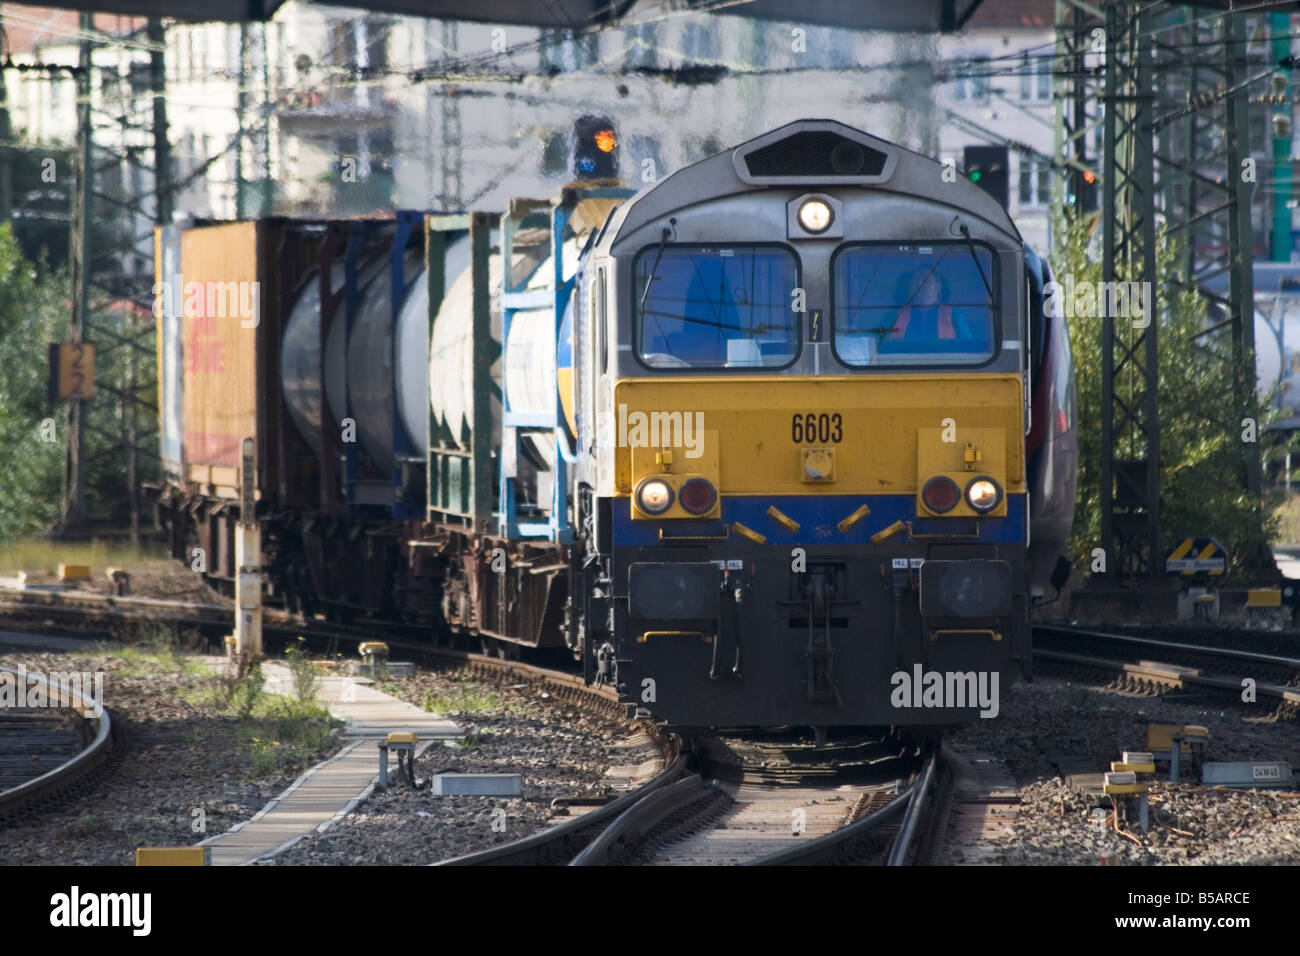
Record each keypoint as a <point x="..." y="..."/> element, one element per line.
<point x="34" y="306"/>
<point x="1201" y="432"/>
<point x="33" y="310"/>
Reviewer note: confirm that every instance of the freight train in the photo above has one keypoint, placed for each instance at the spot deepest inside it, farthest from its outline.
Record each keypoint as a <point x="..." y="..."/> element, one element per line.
<point x="785" y="438"/>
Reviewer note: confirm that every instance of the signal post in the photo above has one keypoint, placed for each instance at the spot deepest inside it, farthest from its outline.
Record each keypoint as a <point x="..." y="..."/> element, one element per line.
<point x="248" y="561"/>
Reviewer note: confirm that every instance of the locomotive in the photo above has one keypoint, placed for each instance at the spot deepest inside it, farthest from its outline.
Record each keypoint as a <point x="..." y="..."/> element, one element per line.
<point x="785" y="438"/>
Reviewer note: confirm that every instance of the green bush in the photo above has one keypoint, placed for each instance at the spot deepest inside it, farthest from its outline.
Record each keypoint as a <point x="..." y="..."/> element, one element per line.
<point x="248" y="691"/>
<point x="1201" y="449"/>
<point x="306" y="679"/>
<point x="34" y="312"/>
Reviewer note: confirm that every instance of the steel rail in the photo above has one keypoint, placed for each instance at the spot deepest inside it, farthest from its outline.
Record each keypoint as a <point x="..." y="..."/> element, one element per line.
<point x="829" y="847"/>
<point x="71" y="770"/>
<point x="634" y="823"/>
<point x="916" y="806"/>
<point x="1172" y="674"/>
<point x="1160" y="644"/>
<point x="564" y="841"/>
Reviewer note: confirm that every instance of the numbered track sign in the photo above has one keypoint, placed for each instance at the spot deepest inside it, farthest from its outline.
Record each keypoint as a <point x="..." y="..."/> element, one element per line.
<point x="72" y="371"/>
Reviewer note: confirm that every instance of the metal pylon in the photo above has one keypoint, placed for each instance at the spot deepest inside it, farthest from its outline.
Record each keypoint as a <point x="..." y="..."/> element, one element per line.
<point x="1170" y="92"/>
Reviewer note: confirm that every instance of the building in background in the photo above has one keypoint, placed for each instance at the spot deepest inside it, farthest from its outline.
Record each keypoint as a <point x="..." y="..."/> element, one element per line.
<point x="327" y="110"/>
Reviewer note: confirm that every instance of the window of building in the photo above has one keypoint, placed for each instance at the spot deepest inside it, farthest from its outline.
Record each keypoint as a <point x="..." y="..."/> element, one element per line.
<point x="1035" y="79"/>
<point x="1035" y="182"/>
<point x="970" y="82"/>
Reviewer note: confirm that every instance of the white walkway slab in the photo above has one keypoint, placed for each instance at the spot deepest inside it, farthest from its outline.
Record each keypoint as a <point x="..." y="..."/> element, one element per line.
<point x="329" y="791"/>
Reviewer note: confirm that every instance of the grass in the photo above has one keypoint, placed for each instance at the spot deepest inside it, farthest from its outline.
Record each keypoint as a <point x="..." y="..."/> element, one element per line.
<point x="151" y="648"/>
<point x="281" y="733"/>
<point x="40" y="555"/>
<point x="468" y="698"/>
<point x="471" y="741"/>
<point x="285" y="733"/>
<point x="306" y="679"/>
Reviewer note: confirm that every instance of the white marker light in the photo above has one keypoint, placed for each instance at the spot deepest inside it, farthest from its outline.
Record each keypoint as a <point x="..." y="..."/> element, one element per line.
<point x="815" y="216"/>
<point x="983" y="494"/>
<point x="654" y="496"/>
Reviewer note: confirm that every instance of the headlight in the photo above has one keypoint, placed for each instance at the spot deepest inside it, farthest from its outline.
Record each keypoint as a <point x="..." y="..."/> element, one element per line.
<point x="654" y="496"/>
<point x="983" y="494"/>
<point x="940" y="494"/>
<point x="815" y="216"/>
<point x="698" y="496"/>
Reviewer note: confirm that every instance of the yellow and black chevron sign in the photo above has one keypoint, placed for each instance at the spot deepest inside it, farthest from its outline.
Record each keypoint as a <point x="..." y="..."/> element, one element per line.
<point x="1197" y="555"/>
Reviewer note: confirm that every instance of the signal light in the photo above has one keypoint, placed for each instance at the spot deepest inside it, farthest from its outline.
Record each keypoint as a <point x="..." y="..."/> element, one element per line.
<point x="595" y="148"/>
<point x="1089" y="176"/>
<point x="986" y="166"/>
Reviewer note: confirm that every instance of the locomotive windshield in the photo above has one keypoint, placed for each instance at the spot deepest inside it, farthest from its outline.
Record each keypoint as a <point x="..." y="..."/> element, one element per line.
<point x="914" y="304"/>
<point x="716" y="307"/>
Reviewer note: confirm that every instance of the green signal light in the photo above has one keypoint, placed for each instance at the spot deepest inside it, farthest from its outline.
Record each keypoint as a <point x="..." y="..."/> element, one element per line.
<point x="975" y="176"/>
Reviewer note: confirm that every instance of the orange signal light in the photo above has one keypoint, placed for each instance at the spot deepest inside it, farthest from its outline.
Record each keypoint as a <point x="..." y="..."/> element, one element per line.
<point x="605" y="141"/>
<point x="1089" y="176"/>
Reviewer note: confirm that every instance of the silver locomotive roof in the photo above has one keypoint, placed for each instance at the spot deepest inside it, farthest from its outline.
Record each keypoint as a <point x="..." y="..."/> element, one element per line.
<point x="806" y="153"/>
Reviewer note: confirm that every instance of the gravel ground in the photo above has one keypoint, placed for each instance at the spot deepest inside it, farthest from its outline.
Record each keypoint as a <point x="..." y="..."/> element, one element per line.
<point x="162" y="579"/>
<point x="182" y="753"/>
<point x="560" y="750"/>
<point x="1056" y="825"/>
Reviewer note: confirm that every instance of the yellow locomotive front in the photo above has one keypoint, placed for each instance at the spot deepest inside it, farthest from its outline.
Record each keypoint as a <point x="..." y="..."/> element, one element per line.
<point x="801" y="393"/>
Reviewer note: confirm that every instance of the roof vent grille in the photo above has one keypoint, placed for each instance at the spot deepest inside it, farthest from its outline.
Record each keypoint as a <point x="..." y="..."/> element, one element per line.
<point x="817" y="153"/>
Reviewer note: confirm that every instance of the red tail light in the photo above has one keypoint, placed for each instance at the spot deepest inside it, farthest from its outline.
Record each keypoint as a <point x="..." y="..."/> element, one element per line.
<point x="940" y="494"/>
<point x="698" y="496"/>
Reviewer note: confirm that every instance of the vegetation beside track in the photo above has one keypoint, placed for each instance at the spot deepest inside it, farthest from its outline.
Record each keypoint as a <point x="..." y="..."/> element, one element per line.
<point x="1201" y="429"/>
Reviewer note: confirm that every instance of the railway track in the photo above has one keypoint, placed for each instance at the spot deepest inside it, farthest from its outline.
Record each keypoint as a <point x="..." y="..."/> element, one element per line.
<point x="705" y="809"/>
<point x="88" y="612"/>
<point x="49" y="754"/>
<point x="691" y="812"/>
<point x="1197" y="669"/>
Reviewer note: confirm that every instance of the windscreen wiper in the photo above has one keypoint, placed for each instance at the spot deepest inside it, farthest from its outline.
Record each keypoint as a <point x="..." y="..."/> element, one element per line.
<point x="669" y="231"/>
<point x="970" y="246"/>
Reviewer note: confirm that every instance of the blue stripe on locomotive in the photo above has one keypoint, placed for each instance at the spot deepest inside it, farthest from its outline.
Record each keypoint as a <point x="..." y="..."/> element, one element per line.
<point x="818" y="517"/>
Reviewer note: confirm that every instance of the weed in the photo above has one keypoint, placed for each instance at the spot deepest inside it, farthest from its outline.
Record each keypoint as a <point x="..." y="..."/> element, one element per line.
<point x="264" y="756"/>
<point x="306" y="679"/>
<point x="473" y="739"/>
<point x="467" y="698"/>
<point x="248" y="691"/>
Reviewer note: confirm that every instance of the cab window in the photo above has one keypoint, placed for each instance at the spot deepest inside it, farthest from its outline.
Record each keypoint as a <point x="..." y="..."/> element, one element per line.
<point x="914" y="304"/>
<point x="716" y="306"/>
